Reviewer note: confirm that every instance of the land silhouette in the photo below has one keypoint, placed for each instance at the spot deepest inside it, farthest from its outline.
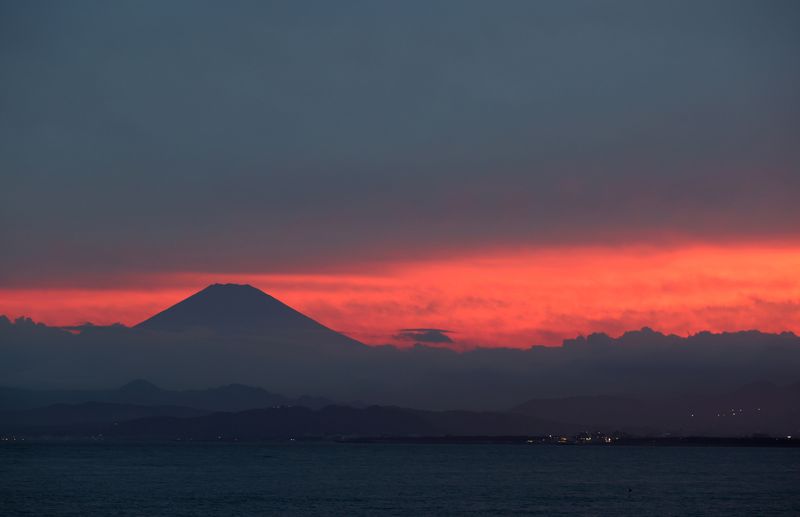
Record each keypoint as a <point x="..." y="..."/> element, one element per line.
<point x="233" y="357"/>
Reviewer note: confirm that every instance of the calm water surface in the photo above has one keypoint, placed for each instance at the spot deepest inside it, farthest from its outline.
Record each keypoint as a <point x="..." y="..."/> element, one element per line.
<point x="369" y="479"/>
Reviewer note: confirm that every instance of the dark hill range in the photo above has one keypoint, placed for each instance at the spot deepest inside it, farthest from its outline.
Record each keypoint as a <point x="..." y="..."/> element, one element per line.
<point x="233" y="397"/>
<point x="755" y="408"/>
<point x="169" y="423"/>
<point x="72" y="419"/>
<point x="237" y="334"/>
<point x="297" y="422"/>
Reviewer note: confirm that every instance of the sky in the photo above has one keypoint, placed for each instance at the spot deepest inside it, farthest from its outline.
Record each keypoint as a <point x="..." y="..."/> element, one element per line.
<point x="513" y="172"/>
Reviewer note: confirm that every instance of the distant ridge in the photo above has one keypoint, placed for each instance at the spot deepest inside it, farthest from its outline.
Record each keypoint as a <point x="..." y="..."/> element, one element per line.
<point x="139" y="386"/>
<point x="139" y="392"/>
<point x="235" y="309"/>
<point x="169" y="423"/>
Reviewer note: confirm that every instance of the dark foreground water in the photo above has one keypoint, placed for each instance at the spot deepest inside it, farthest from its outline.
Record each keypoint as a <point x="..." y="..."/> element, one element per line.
<point x="369" y="479"/>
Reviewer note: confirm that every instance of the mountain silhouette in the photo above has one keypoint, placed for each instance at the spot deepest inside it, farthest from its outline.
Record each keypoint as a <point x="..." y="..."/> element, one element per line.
<point x="261" y="342"/>
<point x="139" y="386"/>
<point x="139" y="392"/>
<point x="58" y="419"/>
<point x="241" y="310"/>
<point x="168" y="423"/>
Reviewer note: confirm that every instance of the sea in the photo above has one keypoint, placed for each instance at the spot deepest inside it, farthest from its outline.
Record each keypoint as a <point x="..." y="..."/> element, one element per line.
<point x="329" y="478"/>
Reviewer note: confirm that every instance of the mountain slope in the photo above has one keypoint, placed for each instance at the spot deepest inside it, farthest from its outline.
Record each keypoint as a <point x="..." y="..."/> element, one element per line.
<point x="233" y="397"/>
<point x="271" y="423"/>
<point x="69" y="418"/>
<point x="241" y="310"/>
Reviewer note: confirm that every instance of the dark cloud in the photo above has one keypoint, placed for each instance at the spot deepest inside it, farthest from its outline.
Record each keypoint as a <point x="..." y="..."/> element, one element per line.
<point x="639" y="363"/>
<point x="163" y="136"/>
<point x="424" y="335"/>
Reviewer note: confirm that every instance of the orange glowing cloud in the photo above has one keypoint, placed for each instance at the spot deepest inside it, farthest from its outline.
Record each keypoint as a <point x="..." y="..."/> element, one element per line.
<point x="502" y="298"/>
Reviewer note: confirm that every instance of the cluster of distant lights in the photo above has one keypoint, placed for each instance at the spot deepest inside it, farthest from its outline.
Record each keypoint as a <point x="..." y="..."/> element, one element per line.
<point x="732" y="412"/>
<point x="581" y="438"/>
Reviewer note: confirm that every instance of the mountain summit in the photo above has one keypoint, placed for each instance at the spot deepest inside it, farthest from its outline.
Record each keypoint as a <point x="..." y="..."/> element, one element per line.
<point x="234" y="309"/>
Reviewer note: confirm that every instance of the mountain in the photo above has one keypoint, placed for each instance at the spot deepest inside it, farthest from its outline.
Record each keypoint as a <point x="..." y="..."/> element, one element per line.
<point x="160" y="423"/>
<point x="66" y="419"/>
<point x="233" y="397"/>
<point x="298" y="358"/>
<point x="332" y="421"/>
<point x="241" y="310"/>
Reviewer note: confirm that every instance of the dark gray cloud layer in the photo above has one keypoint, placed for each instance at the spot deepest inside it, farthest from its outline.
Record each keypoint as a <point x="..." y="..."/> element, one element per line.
<point x="158" y="136"/>
<point x="641" y="363"/>
<point x="424" y="335"/>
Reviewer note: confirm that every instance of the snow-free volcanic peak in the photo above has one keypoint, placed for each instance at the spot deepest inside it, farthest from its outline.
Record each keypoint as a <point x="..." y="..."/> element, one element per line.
<point x="235" y="309"/>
